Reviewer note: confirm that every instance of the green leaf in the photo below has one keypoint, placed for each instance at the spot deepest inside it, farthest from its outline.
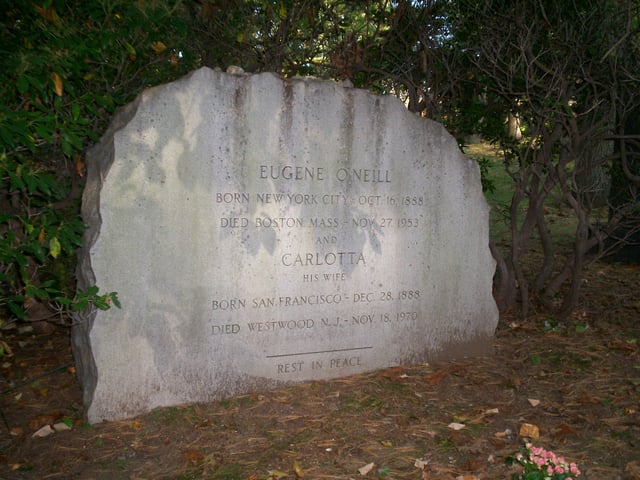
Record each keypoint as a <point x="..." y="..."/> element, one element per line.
<point x="31" y="183"/>
<point x="63" y="301"/>
<point x="15" y="181"/>
<point x="44" y="133"/>
<point x="66" y="147"/>
<point x="101" y="304"/>
<point x="6" y="137"/>
<point x="17" y="310"/>
<point x="22" y="84"/>
<point x="54" y="247"/>
<point x="81" y="304"/>
<point x="92" y="290"/>
<point x="130" y="48"/>
<point x="115" y="300"/>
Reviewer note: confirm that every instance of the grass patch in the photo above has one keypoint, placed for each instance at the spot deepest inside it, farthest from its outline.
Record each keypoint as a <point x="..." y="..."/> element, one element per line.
<point x="560" y="218"/>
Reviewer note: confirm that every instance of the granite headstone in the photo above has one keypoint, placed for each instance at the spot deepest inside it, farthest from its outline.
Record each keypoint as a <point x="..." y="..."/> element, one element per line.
<point x="262" y="231"/>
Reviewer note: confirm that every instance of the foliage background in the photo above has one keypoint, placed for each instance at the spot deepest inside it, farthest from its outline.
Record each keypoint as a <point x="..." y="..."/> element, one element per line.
<point x="548" y="83"/>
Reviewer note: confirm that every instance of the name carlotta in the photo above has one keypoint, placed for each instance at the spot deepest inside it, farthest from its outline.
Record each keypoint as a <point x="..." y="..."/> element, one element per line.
<point x="291" y="172"/>
<point x="317" y="258"/>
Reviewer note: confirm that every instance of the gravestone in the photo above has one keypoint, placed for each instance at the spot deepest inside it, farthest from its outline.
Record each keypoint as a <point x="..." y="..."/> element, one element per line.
<point x="261" y="232"/>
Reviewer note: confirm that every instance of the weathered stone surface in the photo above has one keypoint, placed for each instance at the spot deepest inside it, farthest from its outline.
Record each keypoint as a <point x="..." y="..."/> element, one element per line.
<point x="261" y="231"/>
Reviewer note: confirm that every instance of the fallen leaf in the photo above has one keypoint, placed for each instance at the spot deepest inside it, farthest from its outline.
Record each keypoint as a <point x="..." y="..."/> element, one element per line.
<point x="297" y="470"/>
<point x="16" y="431"/>
<point x="529" y="430"/>
<point x="57" y="82"/>
<point x="6" y="350"/>
<point x="80" y="165"/>
<point x="61" y="427"/>
<point x="386" y="443"/>
<point x="456" y="426"/>
<point x="367" y="468"/>
<point x="420" y="463"/>
<point x="44" y="432"/>
<point x="158" y="47"/>
<point x="533" y="402"/>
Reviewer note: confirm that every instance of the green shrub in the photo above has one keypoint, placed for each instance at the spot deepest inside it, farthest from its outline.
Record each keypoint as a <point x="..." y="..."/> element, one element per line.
<point x="66" y="66"/>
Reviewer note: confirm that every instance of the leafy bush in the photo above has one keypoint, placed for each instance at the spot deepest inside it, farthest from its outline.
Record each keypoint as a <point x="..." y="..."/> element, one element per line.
<point x="67" y="65"/>
<point x="40" y="236"/>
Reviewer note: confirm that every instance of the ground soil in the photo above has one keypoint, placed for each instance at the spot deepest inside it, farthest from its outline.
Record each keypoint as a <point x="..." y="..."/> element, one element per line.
<point x="584" y="372"/>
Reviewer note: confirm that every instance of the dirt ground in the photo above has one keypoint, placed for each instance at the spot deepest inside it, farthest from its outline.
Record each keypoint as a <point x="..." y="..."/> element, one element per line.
<point x="578" y="382"/>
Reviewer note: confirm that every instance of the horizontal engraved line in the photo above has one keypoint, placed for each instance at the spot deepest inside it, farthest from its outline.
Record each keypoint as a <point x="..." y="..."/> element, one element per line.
<point x="321" y="351"/>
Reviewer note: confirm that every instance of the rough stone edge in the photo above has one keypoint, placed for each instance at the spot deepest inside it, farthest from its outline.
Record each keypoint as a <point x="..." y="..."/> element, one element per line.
<point x="97" y="169"/>
<point x="99" y="159"/>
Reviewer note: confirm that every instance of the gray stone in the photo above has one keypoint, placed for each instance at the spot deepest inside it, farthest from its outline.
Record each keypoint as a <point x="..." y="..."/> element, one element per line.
<point x="261" y="232"/>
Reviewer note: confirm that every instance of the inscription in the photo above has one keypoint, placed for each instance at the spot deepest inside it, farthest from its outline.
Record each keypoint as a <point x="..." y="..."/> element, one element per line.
<point x="232" y="304"/>
<point x="299" y="215"/>
<point x="367" y="319"/>
<point x="319" y="259"/>
<point x="292" y="172"/>
<point x="288" y="222"/>
<point x="319" y="222"/>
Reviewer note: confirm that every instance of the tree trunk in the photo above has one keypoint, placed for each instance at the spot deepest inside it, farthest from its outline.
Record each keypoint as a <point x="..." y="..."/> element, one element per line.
<point x="625" y="188"/>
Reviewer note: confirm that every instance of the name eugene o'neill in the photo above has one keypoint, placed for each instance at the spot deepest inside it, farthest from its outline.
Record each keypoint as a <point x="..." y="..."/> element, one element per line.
<point x="290" y="172"/>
